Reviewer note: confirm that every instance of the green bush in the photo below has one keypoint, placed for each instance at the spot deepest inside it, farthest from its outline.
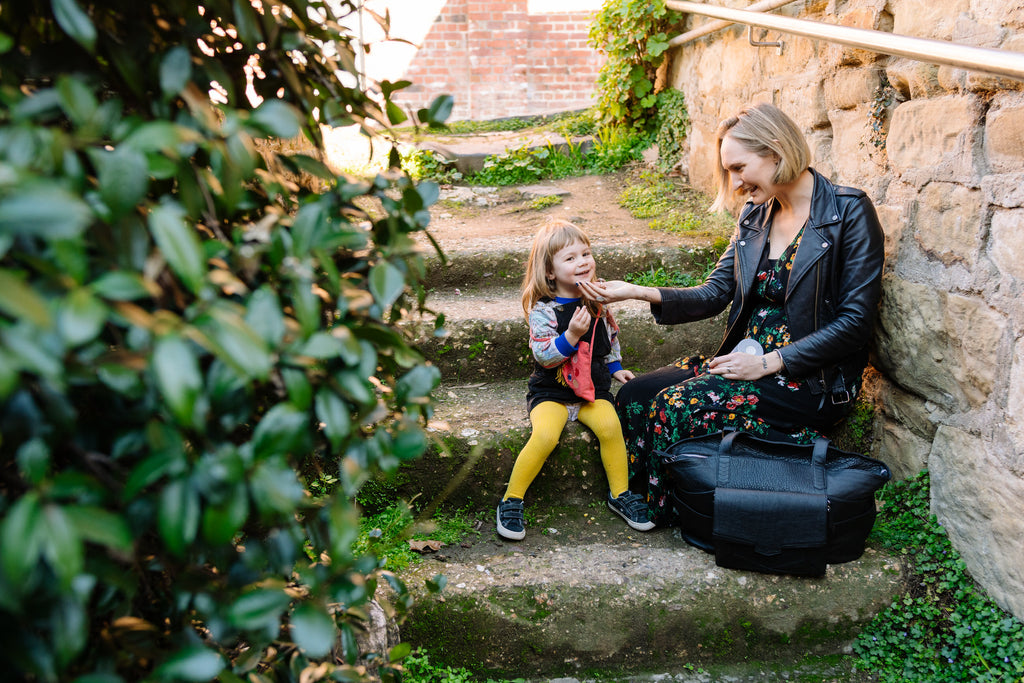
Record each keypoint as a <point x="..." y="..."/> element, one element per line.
<point x="945" y="628"/>
<point x="189" y="332"/>
<point x="672" y="127"/>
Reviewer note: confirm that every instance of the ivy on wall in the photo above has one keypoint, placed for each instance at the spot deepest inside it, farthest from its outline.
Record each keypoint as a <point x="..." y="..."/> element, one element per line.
<point x="634" y="35"/>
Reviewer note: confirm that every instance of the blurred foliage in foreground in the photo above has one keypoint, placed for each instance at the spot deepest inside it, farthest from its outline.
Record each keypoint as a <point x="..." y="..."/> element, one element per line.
<point x="189" y="332"/>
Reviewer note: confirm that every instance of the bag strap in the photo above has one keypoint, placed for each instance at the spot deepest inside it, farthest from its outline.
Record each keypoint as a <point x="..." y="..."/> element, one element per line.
<point x="817" y="463"/>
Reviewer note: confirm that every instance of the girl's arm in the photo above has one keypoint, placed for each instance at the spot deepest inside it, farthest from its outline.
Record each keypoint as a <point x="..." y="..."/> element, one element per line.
<point x="549" y="347"/>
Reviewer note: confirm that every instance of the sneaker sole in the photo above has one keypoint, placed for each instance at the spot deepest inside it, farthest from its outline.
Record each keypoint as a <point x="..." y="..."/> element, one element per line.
<point x="506" y="533"/>
<point x="639" y="526"/>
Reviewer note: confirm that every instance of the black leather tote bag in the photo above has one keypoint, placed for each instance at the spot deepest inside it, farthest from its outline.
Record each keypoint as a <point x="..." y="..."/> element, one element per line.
<point x="773" y="506"/>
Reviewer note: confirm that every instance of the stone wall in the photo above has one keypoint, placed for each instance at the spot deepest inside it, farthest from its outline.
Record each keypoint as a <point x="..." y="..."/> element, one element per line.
<point x="942" y="160"/>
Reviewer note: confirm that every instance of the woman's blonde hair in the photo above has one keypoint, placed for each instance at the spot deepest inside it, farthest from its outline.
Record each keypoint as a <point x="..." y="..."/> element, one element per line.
<point x="552" y="237"/>
<point x="767" y="131"/>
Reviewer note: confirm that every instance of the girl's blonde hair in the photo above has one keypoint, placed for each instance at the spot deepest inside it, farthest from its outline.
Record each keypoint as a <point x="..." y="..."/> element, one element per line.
<point x="767" y="131"/>
<point x="553" y="236"/>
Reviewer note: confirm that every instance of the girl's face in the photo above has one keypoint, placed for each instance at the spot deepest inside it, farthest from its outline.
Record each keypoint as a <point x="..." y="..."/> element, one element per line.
<point x="748" y="173"/>
<point x="571" y="264"/>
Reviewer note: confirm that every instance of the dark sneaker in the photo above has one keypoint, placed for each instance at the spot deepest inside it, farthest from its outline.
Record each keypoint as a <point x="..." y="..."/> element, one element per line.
<point x="510" y="519"/>
<point x="632" y="508"/>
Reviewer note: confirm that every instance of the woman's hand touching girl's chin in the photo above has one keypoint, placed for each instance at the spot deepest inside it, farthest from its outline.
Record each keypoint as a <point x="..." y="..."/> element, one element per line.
<point x="617" y="290"/>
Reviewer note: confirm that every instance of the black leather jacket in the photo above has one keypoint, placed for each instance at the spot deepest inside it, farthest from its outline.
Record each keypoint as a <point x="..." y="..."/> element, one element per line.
<point x="833" y="292"/>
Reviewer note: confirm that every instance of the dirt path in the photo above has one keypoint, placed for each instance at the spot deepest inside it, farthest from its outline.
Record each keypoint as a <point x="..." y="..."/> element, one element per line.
<point x="472" y="219"/>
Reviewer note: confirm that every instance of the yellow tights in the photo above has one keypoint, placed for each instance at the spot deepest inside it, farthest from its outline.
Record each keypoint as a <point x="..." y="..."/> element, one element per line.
<point x="548" y="420"/>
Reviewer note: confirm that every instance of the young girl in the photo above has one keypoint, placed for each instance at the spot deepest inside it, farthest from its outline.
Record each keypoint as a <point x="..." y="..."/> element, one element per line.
<point x="576" y="352"/>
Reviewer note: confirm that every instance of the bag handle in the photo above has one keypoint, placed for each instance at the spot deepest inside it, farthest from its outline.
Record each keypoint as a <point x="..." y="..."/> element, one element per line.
<point x="817" y="463"/>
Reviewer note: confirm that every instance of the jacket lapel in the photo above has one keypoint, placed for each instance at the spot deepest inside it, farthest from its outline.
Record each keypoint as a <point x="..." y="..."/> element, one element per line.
<point x="818" y="238"/>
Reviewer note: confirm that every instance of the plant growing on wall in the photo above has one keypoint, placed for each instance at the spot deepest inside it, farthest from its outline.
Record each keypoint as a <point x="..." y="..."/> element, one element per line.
<point x="634" y="35"/>
<point x="187" y="336"/>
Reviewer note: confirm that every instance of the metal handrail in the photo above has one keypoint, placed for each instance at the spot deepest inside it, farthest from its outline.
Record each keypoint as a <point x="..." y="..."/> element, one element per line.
<point x="712" y="26"/>
<point x="987" y="60"/>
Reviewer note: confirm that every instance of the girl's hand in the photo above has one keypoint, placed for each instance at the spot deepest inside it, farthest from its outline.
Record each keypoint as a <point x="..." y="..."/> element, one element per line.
<point x="624" y="375"/>
<point x="578" y="325"/>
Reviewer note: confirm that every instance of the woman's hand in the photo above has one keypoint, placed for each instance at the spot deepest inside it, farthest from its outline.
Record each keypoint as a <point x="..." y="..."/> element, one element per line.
<point x="623" y="375"/>
<point x="745" y="366"/>
<point x="617" y="290"/>
<point x="578" y="325"/>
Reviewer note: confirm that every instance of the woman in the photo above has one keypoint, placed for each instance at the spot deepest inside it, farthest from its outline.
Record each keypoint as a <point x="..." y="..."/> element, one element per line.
<point x="803" y="276"/>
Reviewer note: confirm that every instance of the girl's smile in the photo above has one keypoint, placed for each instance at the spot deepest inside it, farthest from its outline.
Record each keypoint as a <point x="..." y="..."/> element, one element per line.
<point x="571" y="264"/>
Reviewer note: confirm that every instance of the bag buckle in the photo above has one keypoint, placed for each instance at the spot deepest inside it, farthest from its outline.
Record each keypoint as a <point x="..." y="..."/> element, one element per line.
<point x="840" y="397"/>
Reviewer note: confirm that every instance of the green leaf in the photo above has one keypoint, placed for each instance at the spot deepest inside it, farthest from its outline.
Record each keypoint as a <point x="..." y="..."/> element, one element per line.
<point x="178" y="377"/>
<point x="76" y="99"/>
<point x="275" y="488"/>
<point x="260" y="609"/>
<point x="429" y="192"/>
<point x="300" y="391"/>
<point x="96" y="525"/>
<point x="399" y="652"/>
<point x="34" y="460"/>
<point x="247" y="22"/>
<point x="334" y="413"/>
<point x="178" y="515"/>
<point x="386" y="283"/>
<point x="75" y="23"/>
<point x="19" y="300"/>
<point x="120" y="285"/>
<point x="277" y="118"/>
<point x="123" y="177"/>
<point x="314" y="631"/>
<point x="44" y="211"/>
<point x="175" y="71"/>
<point x="395" y="113"/>
<point x="221" y="522"/>
<point x="81" y="317"/>
<point x="159" y="136"/>
<point x="438" y="111"/>
<point x="178" y="243"/>
<point x="437" y="583"/>
<point x="349" y="646"/>
<point x="192" y="664"/>
<point x="62" y="546"/>
<point x="264" y="315"/>
<point x="21" y="539"/>
<point x="314" y="167"/>
<point x="237" y="344"/>
<point x="418" y="382"/>
<point x="280" y="431"/>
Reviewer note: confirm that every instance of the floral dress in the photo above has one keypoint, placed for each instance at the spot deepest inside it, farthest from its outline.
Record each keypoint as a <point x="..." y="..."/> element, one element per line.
<point x="696" y="402"/>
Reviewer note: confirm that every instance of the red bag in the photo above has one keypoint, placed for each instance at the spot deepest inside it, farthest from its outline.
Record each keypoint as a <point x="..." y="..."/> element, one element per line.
<point x="575" y="372"/>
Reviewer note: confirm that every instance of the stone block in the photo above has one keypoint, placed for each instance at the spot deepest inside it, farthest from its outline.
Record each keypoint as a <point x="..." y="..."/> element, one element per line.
<point x="902" y="450"/>
<point x="1004" y="134"/>
<point x="850" y="88"/>
<point x="1006" y="190"/>
<point x="927" y="18"/>
<point x="949" y="223"/>
<point x="893" y="220"/>
<point x="913" y="79"/>
<point x="939" y="345"/>
<point x="1015" y="403"/>
<point x="1006" y="248"/>
<point x="978" y="499"/>
<point x="836" y="55"/>
<point x="853" y="152"/>
<point x="936" y="138"/>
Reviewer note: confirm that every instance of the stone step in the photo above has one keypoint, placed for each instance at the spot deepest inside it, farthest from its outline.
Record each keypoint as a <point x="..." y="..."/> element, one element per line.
<point x="487" y="337"/>
<point x="582" y="591"/>
<point x="498" y="264"/>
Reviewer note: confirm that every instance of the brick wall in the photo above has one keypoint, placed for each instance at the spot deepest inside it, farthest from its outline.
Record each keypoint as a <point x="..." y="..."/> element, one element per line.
<point x="500" y="59"/>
